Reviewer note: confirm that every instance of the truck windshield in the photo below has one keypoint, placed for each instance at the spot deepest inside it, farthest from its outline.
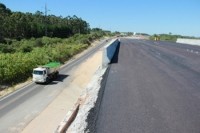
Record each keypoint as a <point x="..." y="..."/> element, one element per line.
<point x="38" y="72"/>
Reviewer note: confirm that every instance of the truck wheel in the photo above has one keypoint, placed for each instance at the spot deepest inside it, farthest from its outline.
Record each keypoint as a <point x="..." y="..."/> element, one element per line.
<point x="47" y="80"/>
<point x="56" y="75"/>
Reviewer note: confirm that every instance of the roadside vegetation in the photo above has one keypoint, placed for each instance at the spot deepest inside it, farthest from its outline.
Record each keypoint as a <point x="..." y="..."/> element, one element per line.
<point x="17" y="62"/>
<point x="29" y="40"/>
<point x="169" y="37"/>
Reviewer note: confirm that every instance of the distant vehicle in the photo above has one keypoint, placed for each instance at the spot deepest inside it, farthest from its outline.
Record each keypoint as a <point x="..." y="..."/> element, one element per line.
<point x="157" y="38"/>
<point x="44" y="74"/>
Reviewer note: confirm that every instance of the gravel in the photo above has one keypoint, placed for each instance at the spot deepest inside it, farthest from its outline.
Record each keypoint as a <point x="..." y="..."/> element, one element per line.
<point x="91" y="100"/>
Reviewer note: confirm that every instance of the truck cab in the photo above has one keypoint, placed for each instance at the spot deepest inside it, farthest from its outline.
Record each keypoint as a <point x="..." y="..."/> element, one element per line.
<point x="40" y="75"/>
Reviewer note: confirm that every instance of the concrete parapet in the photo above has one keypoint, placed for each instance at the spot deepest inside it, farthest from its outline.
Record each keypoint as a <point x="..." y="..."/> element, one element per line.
<point x="109" y="51"/>
<point x="189" y="41"/>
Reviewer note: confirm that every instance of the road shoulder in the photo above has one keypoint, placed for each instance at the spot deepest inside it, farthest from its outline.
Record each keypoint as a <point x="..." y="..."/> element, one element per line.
<point x="48" y="119"/>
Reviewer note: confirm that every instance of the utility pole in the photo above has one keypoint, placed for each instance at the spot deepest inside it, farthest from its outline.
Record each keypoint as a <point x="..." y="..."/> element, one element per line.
<point x="45" y="19"/>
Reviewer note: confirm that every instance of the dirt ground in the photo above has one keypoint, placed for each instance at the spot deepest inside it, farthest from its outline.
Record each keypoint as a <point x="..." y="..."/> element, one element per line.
<point x="48" y="120"/>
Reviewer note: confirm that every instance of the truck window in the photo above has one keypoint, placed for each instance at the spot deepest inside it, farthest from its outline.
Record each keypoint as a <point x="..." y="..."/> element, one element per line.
<point x="38" y="72"/>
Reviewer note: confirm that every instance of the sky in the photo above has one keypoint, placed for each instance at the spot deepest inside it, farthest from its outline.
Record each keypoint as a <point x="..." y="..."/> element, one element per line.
<point x="144" y="16"/>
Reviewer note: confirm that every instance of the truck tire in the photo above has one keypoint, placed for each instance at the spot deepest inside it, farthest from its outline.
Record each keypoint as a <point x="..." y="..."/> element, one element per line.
<point x="56" y="75"/>
<point x="47" y="80"/>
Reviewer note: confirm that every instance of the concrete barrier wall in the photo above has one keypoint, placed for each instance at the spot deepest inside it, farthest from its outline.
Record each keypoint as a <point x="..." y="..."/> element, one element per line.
<point x="189" y="41"/>
<point x="108" y="52"/>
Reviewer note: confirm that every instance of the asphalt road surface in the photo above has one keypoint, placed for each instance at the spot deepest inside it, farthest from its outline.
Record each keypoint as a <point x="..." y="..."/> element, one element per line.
<point x="20" y="107"/>
<point x="152" y="87"/>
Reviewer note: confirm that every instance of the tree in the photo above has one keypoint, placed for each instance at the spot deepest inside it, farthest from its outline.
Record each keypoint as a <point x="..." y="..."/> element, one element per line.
<point x="4" y="13"/>
<point x="18" y="25"/>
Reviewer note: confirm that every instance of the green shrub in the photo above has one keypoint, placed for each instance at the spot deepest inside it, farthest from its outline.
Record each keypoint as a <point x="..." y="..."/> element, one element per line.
<point x="18" y="66"/>
<point x="6" y="48"/>
<point x="38" y="42"/>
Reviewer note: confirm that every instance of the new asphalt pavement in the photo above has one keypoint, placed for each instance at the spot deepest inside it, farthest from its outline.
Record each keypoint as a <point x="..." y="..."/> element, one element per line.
<point x="152" y="87"/>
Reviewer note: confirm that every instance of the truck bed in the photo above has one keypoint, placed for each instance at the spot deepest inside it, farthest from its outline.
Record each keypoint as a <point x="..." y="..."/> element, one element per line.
<point x="52" y="67"/>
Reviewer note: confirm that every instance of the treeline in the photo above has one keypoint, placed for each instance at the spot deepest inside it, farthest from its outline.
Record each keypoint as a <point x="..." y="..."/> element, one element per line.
<point x="28" y="40"/>
<point x="18" y="25"/>
<point x="27" y="45"/>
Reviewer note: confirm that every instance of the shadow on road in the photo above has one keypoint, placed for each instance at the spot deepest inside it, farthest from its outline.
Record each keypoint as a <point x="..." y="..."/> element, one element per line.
<point x="115" y="57"/>
<point x="60" y="78"/>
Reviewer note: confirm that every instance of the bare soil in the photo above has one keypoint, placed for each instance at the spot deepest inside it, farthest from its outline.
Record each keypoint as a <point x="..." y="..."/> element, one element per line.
<point x="48" y="120"/>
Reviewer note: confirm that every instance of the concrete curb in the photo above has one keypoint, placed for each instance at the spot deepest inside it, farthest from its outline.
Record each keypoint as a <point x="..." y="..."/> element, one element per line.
<point x="86" y="103"/>
<point x="70" y="117"/>
<point x="94" y="112"/>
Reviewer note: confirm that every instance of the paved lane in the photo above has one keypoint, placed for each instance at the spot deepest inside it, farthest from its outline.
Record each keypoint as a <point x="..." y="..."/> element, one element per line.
<point x="154" y="87"/>
<point x="22" y="106"/>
